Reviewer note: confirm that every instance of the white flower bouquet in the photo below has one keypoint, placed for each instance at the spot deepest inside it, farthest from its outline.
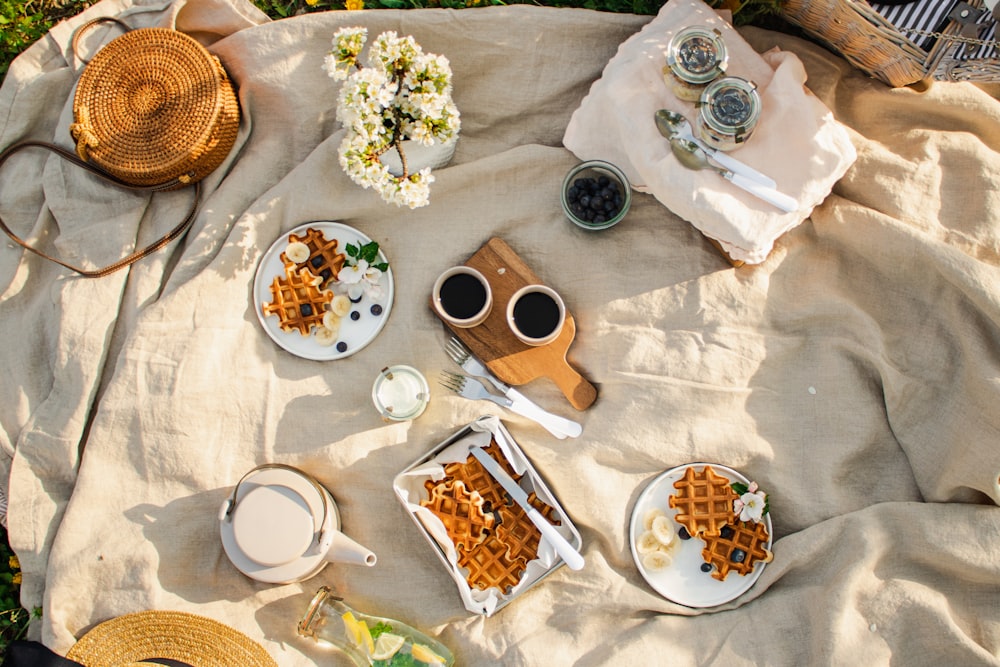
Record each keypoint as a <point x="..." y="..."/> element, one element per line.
<point x="402" y="94"/>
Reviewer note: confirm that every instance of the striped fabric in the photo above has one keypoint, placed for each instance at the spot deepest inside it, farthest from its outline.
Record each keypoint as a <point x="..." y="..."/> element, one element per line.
<point x="932" y="15"/>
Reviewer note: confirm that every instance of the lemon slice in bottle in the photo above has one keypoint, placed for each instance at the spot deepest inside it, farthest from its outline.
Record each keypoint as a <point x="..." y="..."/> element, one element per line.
<point x="424" y="654"/>
<point x="387" y="645"/>
<point x="358" y="632"/>
<point x="354" y="629"/>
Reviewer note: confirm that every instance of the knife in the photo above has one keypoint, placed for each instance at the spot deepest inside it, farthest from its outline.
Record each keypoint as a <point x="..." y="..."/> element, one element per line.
<point x="567" y="551"/>
<point x="682" y="129"/>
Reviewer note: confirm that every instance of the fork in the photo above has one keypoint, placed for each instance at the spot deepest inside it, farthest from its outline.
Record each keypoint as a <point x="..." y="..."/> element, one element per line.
<point x="521" y="404"/>
<point x="513" y="400"/>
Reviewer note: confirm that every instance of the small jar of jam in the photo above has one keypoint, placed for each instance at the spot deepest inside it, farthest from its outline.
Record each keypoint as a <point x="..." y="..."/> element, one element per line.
<point x="695" y="56"/>
<point x="728" y="112"/>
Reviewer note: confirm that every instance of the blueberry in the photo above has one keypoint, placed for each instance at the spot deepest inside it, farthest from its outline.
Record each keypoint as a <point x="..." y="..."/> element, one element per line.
<point x="341" y="346"/>
<point x="316" y="261"/>
<point x="306" y="310"/>
<point x="355" y="315"/>
<point x="585" y="200"/>
<point x="326" y="274"/>
<point x="726" y="532"/>
<point x="683" y="533"/>
<point x="706" y="567"/>
<point x="738" y="556"/>
<point x="376" y="310"/>
<point x="603" y="181"/>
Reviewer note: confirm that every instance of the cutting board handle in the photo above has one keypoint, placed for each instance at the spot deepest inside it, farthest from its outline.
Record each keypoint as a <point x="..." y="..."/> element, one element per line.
<point x="578" y="390"/>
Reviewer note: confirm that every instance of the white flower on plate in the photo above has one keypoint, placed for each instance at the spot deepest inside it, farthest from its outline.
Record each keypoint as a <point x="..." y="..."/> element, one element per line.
<point x="750" y="505"/>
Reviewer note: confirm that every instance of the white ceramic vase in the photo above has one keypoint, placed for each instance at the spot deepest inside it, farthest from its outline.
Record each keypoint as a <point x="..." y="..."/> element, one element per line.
<point x="419" y="156"/>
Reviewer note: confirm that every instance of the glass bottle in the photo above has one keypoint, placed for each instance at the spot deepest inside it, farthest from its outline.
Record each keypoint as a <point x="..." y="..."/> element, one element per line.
<point x="369" y="640"/>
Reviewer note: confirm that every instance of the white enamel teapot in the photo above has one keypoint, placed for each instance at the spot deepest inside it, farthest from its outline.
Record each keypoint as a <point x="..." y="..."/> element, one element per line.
<point x="280" y="526"/>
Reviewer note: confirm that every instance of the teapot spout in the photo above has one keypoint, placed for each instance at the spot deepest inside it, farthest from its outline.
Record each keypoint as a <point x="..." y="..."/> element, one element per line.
<point x="343" y="549"/>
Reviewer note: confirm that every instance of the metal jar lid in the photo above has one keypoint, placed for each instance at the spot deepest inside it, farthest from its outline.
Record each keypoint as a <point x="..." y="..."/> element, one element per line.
<point x="730" y="105"/>
<point x="697" y="54"/>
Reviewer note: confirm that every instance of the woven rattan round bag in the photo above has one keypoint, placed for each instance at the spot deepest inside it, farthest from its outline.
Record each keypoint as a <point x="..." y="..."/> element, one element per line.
<point x="155" y="108"/>
<point x="153" y="111"/>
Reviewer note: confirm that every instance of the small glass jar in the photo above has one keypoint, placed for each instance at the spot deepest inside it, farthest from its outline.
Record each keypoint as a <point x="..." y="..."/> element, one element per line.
<point x="728" y="112"/>
<point x="696" y="56"/>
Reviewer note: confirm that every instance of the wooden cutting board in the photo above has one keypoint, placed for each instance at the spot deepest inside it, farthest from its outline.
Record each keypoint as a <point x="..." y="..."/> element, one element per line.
<point x="493" y="343"/>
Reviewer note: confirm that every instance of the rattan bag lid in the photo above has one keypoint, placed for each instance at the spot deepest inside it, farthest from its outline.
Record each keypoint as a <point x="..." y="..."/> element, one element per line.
<point x="155" y="635"/>
<point x="153" y="106"/>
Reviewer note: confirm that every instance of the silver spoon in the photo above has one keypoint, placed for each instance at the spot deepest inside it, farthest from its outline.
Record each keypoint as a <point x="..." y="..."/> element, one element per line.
<point x="693" y="157"/>
<point x="672" y="124"/>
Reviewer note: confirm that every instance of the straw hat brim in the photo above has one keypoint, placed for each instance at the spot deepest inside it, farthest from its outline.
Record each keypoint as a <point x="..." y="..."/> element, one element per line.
<point x="180" y="636"/>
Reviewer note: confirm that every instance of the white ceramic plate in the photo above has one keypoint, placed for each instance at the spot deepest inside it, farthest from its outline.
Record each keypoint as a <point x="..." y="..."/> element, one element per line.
<point x="683" y="581"/>
<point x="354" y="334"/>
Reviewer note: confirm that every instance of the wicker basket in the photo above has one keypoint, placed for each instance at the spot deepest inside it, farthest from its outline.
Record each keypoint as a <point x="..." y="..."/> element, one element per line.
<point x="154" y="108"/>
<point x="871" y="43"/>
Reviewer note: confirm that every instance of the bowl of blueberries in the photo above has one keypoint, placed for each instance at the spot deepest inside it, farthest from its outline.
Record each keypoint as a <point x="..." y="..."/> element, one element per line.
<point x="596" y="195"/>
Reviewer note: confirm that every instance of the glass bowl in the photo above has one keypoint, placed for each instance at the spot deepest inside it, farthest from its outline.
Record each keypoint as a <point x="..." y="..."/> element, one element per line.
<point x="600" y="180"/>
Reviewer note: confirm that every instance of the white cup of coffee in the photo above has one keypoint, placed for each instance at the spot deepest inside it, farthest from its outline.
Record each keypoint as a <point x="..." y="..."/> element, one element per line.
<point x="535" y="314"/>
<point x="462" y="297"/>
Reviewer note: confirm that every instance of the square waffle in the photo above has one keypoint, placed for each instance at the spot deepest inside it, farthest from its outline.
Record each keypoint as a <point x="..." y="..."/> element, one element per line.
<point x="490" y="565"/>
<point x="461" y="512"/>
<point x="737" y="547"/>
<point x="297" y="300"/>
<point x="324" y="260"/>
<point x="704" y="501"/>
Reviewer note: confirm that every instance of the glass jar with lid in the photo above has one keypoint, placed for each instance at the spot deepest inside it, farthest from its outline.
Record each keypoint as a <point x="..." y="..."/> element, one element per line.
<point x="728" y="112"/>
<point x="696" y="56"/>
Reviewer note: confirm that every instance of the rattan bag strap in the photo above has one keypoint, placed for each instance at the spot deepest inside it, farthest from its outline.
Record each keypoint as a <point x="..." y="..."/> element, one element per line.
<point x="174" y="233"/>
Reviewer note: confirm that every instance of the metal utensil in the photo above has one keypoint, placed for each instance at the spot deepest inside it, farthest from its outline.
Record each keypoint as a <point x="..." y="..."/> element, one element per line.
<point x="562" y="546"/>
<point x="521" y="404"/>
<point x="672" y="124"/>
<point x="473" y="389"/>
<point x="691" y="156"/>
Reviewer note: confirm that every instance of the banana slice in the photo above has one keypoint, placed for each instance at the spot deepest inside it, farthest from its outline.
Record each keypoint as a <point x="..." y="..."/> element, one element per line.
<point x="331" y="321"/>
<point x="297" y="252"/>
<point x="341" y="305"/>
<point x="663" y="529"/>
<point x="647" y="543"/>
<point x="650" y="516"/>
<point x="656" y="561"/>
<point x="325" y="337"/>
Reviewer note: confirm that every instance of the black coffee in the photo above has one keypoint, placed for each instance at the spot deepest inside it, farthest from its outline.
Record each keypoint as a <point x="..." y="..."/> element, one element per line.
<point x="536" y="314"/>
<point x="462" y="296"/>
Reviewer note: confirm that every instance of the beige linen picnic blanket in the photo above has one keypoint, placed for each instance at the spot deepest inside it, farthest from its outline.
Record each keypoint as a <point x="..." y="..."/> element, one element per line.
<point x="854" y="374"/>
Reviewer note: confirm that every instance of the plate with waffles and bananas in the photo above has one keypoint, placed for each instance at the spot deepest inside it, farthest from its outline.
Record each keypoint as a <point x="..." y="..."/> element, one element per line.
<point x="700" y="534"/>
<point x="323" y="290"/>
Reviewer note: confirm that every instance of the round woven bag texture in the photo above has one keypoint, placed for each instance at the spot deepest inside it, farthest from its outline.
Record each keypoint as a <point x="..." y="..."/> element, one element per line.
<point x="155" y="107"/>
<point x="179" y="636"/>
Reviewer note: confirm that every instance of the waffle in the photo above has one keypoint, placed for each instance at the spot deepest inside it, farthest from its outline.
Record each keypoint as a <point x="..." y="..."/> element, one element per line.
<point x="461" y="512"/>
<point x="747" y="536"/>
<point x="704" y="501"/>
<point x="490" y="566"/>
<point x="298" y="300"/>
<point x="510" y="541"/>
<point x="517" y="531"/>
<point x="324" y="259"/>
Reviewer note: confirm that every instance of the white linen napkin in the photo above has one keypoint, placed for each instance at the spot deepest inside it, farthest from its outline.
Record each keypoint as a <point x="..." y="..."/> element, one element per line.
<point x="797" y="141"/>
